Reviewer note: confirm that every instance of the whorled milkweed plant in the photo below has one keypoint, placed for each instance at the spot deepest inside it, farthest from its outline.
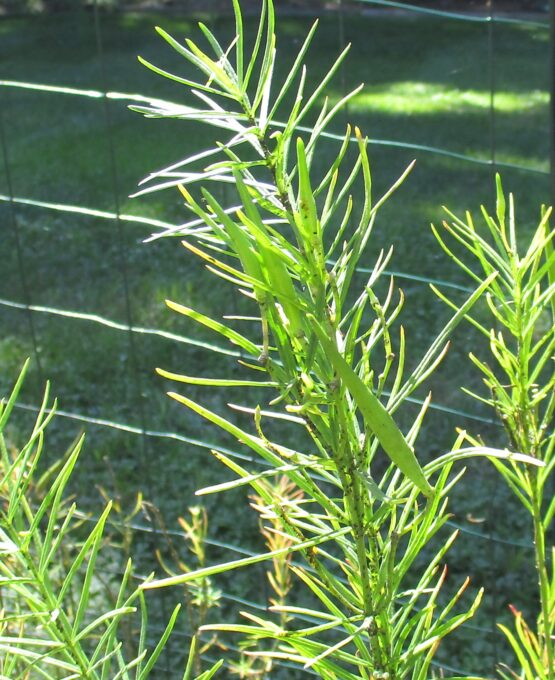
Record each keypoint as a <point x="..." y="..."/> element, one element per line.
<point x="50" y="576"/>
<point x="519" y="375"/>
<point x="331" y="357"/>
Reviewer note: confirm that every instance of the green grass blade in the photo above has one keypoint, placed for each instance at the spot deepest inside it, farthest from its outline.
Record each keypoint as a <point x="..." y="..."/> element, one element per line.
<point x="50" y="547"/>
<point x="51" y="504"/>
<point x="549" y="256"/>
<point x="208" y="674"/>
<point x="268" y="57"/>
<point x="213" y="70"/>
<point x="189" y="668"/>
<point x="112" y="615"/>
<point x="322" y="85"/>
<point x="86" y="586"/>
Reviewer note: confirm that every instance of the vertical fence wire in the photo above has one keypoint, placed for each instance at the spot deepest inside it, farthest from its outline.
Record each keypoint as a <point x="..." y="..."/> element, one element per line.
<point x="342" y="45"/>
<point x="135" y="368"/>
<point x="14" y="223"/>
<point x="122" y="245"/>
<point x="491" y="507"/>
<point x="492" y="86"/>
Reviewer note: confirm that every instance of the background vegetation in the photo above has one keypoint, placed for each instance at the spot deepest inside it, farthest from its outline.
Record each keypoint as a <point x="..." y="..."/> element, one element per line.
<point x="219" y="5"/>
<point x="432" y="89"/>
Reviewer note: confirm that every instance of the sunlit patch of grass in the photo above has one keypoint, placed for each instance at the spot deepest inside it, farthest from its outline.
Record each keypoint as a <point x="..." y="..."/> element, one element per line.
<point x="431" y="99"/>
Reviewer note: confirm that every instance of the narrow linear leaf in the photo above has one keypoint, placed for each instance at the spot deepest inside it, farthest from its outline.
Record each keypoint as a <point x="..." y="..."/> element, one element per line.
<point x="232" y="335"/>
<point x="376" y="416"/>
<point x="245" y="562"/>
<point x="6" y="409"/>
<point x="160" y="646"/>
<point x="213" y="382"/>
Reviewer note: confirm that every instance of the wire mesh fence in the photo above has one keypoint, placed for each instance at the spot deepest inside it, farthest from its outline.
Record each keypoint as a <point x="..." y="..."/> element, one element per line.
<point x="465" y="93"/>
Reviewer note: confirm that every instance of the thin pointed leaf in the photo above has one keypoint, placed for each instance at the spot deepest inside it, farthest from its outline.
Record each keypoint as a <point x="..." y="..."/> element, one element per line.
<point x="246" y="561"/>
<point x="376" y="416"/>
<point x="233" y="336"/>
<point x="213" y="382"/>
<point x="149" y="665"/>
<point x="6" y="408"/>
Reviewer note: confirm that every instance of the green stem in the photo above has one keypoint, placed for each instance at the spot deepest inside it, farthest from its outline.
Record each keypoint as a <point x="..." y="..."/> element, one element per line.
<point x="543" y="576"/>
<point x="60" y="627"/>
<point x="355" y="494"/>
<point x="367" y="552"/>
<point x="529" y="438"/>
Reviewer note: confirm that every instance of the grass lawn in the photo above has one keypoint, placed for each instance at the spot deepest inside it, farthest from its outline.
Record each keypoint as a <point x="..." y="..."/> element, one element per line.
<point x="427" y="84"/>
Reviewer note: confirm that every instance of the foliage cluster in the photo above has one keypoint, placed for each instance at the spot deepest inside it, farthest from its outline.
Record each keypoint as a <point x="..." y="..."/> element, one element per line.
<point x="324" y="365"/>
<point x="360" y="509"/>
<point x="52" y="621"/>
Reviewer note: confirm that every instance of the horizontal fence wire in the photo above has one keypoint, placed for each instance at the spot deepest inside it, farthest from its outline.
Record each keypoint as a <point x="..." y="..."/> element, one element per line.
<point x="116" y="325"/>
<point x="156" y="434"/>
<point x="237" y="550"/>
<point x="162" y="225"/>
<point x="129" y="97"/>
<point x="471" y="16"/>
<point x="213" y="348"/>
